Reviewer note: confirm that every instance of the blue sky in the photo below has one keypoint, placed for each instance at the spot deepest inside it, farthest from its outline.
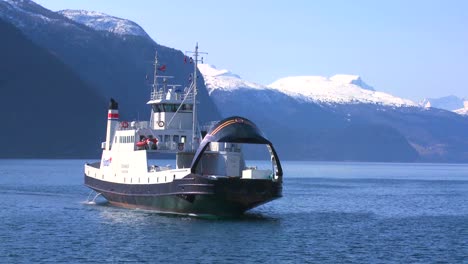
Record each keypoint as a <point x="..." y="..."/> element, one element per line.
<point x="412" y="49"/>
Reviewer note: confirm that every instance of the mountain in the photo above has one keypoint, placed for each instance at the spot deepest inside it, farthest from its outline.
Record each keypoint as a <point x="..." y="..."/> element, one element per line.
<point x="101" y="21"/>
<point x="463" y="110"/>
<point x="319" y="118"/>
<point x="341" y="89"/>
<point x="46" y="109"/>
<point x="450" y="102"/>
<point x="115" y="65"/>
<point x="82" y="65"/>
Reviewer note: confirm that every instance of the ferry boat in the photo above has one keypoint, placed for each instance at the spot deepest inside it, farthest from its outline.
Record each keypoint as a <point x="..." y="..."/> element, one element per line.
<point x="210" y="177"/>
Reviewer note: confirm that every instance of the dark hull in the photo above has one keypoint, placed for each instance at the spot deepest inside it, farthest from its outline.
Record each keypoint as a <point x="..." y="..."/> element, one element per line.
<point x="195" y="194"/>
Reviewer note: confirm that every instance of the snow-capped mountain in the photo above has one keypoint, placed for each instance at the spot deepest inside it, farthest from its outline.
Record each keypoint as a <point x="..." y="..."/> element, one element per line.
<point x="104" y="22"/>
<point x="225" y="80"/>
<point x="450" y="102"/>
<point x="464" y="110"/>
<point x="301" y="125"/>
<point x="339" y="118"/>
<point x="26" y="13"/>
<point x="336" y="89"/>
<point x="341" y="89"/>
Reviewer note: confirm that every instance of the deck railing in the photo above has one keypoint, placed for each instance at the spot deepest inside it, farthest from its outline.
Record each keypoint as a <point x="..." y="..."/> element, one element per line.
<point x="179" y="96"/>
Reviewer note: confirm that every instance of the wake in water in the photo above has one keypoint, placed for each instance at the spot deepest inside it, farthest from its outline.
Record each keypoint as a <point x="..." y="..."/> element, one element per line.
<point x="90" y="201"/>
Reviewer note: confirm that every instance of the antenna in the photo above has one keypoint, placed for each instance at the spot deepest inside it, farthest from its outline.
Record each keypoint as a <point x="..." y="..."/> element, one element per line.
<point x="155" y="80"/>
<point x="195" y="90"/>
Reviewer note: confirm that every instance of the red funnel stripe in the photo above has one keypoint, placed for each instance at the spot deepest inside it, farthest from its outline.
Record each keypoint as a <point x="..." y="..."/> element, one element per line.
<point x="113" y="116"/>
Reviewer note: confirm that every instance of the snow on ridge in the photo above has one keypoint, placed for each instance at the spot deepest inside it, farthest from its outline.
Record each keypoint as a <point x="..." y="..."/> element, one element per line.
<point x="464" y="110"/>
<point x="461" y="111"/>
<point x="334" y="90"/>
<point x="104" y="22"/>
<point x="225" y="80"/>
<point x="351" y="79"/>
<point x="342" y="89"/>
<point x="22" y="6"/>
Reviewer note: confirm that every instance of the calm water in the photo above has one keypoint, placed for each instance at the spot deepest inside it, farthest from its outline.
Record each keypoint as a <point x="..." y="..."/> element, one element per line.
<point x="330" y="213"/>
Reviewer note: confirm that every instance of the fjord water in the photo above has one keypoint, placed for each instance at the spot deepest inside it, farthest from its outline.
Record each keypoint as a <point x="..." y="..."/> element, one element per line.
<point x="330" y="213"/>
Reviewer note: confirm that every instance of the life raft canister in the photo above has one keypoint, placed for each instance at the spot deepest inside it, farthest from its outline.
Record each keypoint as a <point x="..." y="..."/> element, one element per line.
<point x="124" y="124"/>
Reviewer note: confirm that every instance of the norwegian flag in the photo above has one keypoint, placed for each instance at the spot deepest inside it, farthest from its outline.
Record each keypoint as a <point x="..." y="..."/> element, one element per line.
<point x="162" y="68"/>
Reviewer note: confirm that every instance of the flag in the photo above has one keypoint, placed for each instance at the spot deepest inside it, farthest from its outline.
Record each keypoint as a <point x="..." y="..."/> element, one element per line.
<point x="162" y="68"/>
<point x="191" y="60"/>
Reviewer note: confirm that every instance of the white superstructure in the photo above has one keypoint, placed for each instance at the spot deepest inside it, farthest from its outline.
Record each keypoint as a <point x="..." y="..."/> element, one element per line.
<point x="169" y="130"/>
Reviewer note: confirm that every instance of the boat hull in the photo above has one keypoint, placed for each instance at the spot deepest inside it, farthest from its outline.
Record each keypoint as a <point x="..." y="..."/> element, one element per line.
<point x="192" y="195"/>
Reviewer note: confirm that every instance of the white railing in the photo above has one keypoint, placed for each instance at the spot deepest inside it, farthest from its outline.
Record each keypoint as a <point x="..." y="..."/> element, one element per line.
<point x="170" y="95"/>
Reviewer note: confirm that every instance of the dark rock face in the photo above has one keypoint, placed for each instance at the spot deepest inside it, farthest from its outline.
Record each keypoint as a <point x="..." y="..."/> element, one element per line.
<point x="116" y="65"/>
<point x="46" y="109"/>
<point x="72" y="59"/>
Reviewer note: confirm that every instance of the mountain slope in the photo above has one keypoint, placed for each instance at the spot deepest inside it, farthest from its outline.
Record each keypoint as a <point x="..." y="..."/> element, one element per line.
<point x="46" y="111"/>
<point x="116" y="65"/>
<point x="450" y="102"/>
<point x="101" y="21"/>
<point x="337" y="89"/>
<point x="463" y="110"/>
<point x="302" y="127"/>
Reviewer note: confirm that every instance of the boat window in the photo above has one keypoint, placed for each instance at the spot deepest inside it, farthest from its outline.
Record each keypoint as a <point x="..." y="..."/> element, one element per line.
<point x="183" y="139"/>
<point x="160" y="138"/>
<point x="115" y="139"/>
<point x="167" y="138"/>
<point x="158" y="108"/>
<point x="176" y="138"/>
<point x="170" y="107"/>
<point x="187" y="107"/>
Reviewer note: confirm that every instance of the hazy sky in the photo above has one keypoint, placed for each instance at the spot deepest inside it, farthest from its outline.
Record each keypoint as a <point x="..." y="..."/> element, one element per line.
<point x="412" y="49"/>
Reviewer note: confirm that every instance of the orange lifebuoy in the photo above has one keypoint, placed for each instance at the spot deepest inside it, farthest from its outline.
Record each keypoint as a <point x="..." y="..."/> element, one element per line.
<point x="124" y="124"/>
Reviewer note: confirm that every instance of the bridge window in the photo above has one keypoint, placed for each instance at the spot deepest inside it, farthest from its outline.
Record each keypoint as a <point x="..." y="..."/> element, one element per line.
<point x="165" y="107"/>
<point x="158" y="108"/>
<point x="187" y="107"/>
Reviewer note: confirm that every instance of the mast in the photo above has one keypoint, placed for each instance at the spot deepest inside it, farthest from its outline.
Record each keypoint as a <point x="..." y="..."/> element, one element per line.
<point x="194" y="122"/>
<point x="155" y="78"/>
<point x="195" y="91"/>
